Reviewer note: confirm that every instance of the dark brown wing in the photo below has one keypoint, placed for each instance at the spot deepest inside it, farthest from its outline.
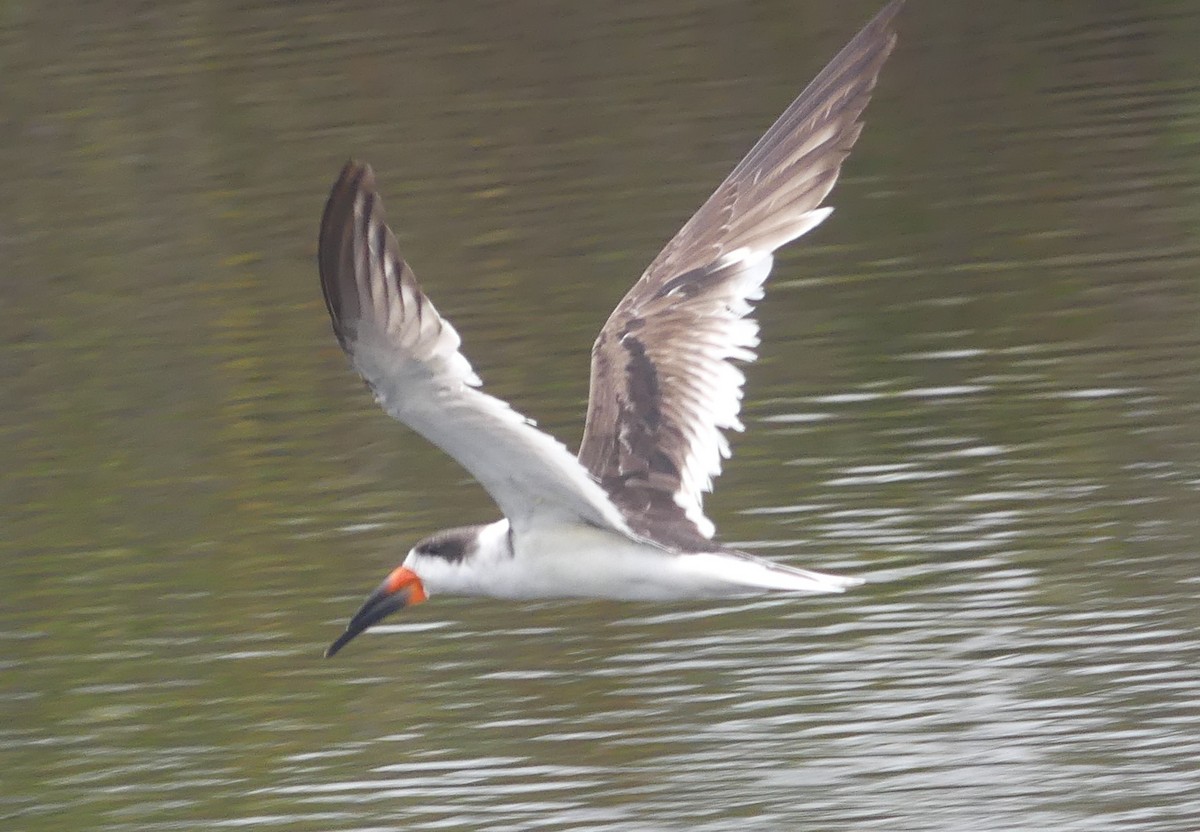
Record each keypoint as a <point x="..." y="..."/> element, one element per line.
<point x="663" y="387"/>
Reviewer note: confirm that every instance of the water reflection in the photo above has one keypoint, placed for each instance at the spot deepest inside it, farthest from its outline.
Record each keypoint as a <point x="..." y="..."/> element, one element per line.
<point x="978" y="391"/>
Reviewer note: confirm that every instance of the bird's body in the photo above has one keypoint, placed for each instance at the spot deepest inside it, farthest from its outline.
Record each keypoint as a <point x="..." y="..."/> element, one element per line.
<point x="624" y="519"/>
<point x="575" y="560"/>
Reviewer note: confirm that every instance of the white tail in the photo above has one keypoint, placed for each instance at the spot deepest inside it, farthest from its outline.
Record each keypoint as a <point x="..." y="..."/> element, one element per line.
<point x="743" y="570"/>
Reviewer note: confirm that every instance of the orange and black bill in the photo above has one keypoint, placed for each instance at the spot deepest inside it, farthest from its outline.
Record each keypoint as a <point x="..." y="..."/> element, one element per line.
<point x="401" y="589"/>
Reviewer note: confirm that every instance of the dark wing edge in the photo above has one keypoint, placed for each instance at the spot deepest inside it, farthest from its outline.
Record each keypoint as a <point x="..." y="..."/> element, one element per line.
<point x="409" y="356"/>
<point x="663" y="388"/>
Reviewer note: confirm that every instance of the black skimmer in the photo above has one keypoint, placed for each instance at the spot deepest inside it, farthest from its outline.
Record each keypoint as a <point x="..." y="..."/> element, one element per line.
<point x="624" y="518"/>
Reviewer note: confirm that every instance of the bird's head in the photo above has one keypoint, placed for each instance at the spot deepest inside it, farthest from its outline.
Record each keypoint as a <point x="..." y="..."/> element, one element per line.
<point x="405" y="586"/>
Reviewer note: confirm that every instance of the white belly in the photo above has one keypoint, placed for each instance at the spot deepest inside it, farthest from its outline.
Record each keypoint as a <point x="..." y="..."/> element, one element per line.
<point x="577" y="561"/>
<point x="583" y="561"/>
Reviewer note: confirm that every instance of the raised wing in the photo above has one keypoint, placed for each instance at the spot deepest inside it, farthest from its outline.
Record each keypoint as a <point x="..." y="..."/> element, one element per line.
<point x="663" y="387"/>
<point x="408" y="354"/>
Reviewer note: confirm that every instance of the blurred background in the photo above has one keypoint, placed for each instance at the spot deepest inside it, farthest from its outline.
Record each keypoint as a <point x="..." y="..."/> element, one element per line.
<point x="978" y="390"/>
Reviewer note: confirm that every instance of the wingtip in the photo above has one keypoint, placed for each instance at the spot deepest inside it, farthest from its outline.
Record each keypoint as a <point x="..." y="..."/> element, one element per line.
<point x="355" y="178"/>
<point x="885" y="15"/>
<point x="355" y="167"/>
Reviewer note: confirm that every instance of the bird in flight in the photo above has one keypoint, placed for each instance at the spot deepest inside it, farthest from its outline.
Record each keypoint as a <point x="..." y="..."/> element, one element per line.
<point x="624" y="518"/>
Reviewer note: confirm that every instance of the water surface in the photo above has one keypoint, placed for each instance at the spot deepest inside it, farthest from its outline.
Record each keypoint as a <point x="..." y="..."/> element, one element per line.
<point x="978" y="391"/>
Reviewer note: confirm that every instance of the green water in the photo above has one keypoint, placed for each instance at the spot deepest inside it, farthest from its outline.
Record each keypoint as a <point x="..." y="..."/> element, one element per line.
<point x="978" y="390"/>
